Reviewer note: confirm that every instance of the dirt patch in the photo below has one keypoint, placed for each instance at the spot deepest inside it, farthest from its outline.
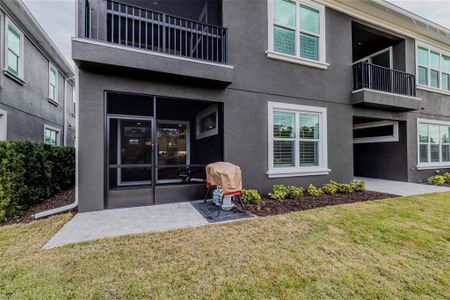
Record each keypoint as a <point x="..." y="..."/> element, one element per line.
<point x="267" y="206"/>
<point x="64" y="198"/>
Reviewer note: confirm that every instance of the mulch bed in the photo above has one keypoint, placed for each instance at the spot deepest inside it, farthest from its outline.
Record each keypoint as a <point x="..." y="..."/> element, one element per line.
<point x="268" y="207"/>
<point x="64" y="198"/>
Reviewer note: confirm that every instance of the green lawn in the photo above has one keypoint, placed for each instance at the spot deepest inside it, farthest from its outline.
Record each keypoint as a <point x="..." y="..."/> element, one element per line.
<point x="395" y="248"/>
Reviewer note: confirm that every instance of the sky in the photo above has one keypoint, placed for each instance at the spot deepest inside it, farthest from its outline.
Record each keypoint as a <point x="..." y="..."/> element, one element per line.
<point x="57" y="17"/>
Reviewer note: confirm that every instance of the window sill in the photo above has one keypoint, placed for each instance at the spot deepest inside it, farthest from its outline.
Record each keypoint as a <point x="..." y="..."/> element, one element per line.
<point x="51" y="101"/>
<point x="14" y="77"/>
<point x="431" y="89"/>
<point x="298" y="173"/>
<point x="297" y="60"/>
<point x="432" y="167"/>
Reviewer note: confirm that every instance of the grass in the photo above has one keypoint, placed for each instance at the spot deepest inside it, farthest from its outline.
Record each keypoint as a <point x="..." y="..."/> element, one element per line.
<point x="395" y="248"/>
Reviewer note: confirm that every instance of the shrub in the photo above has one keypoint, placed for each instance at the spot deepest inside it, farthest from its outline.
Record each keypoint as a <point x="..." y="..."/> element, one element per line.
<point x="330" y="188"/>
<point x="447" y="177"/>
<point x="279" y="192"/>
<point x="295" y="192"/>
<point x="250" y="196"/>
<point x="436" y="180"/>
<point x="314" y="191"/>
<point x="31" y="172"/>
<point x="345" y="188"/>
<point x="358" y="185"/>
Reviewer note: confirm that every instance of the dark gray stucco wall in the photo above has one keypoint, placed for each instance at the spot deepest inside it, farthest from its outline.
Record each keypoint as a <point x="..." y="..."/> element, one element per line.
<point x="27" y="105"/>
<point x="383" y="160"/>
<point x="256" y="81"/>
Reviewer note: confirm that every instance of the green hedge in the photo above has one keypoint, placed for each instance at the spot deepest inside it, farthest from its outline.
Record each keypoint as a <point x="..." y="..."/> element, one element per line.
<point x="31" y="172"/>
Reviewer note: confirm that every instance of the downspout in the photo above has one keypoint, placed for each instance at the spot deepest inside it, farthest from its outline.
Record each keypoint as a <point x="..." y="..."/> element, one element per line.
<point x="73" y="205"/>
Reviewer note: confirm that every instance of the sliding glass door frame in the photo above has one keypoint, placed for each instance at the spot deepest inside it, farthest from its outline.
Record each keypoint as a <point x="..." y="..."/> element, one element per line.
<point x="188" y="148"/>
<point x="153" y="133"/>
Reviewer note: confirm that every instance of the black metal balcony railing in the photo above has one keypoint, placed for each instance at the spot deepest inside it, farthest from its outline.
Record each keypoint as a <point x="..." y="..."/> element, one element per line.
<point x="383" y="79"/>
<point x="137" y="27"/>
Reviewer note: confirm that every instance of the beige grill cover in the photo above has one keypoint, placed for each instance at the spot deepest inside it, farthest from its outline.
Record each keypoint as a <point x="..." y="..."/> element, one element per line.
<point x="225" y="175"/>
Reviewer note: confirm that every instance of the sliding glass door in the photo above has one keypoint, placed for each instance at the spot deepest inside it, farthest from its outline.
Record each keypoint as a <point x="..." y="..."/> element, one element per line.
<point x="173" y="150"/>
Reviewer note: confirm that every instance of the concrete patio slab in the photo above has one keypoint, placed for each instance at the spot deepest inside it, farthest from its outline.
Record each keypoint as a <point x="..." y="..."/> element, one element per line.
<point x="401" y="188"/>
<point x="117" y="222"/>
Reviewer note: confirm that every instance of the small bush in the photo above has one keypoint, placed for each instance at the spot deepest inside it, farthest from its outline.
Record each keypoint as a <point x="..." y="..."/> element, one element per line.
<point x="279" y="192"/>
<point x="250" y="196"/>
<point x="330" y="188"/>
<point x="436" y="180"/>
<point x="447" y="177"/>
<point x="345" y="188"/>
<point x="295" y="192"/>
<point x="30" y="172"/>
<point x="314" y="191"/>
<point x="358" y="185"/>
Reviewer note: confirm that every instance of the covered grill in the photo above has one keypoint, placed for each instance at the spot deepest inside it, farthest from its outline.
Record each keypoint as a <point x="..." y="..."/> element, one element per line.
<point x="227" y="176"/>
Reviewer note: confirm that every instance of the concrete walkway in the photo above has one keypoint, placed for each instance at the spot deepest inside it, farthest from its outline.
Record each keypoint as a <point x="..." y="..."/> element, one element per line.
<point x="117" y="222"/>
<point x="401" y="188"/>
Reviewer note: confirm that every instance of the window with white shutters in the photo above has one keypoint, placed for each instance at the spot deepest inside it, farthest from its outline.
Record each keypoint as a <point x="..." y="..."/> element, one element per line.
<point x="297" y="140"/>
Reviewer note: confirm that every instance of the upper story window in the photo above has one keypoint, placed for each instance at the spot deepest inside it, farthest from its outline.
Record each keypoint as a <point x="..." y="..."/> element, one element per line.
<point x="14" y="50"/>
<point x="433" y="67"/>
<point x="297" y="29"/>
<point x="433" y="143"/>
<point x="52" y="83"/>
<point x="297" y="140"/>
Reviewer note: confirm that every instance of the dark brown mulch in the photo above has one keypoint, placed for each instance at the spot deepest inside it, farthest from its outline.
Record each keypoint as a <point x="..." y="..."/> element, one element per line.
<point x="64" y="198"/>
<point x="268" y="207"/>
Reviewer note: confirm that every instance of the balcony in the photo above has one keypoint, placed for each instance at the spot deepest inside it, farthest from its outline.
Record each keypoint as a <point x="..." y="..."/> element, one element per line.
<point x="377" y="86"/>
<point x="138" y="37"/>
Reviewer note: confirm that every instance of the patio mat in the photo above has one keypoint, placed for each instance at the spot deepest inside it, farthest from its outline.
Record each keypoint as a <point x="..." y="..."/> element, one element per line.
<point x="210" y="212"/>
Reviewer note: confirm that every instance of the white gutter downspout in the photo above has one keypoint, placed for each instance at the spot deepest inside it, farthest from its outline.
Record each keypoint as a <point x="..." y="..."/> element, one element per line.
<point x="68" y="207"/>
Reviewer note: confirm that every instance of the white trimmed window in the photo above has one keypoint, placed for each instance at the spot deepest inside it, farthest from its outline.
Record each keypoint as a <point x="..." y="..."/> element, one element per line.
<point x="433" y="143"/>
<point x="207" y="122"/>
<point x="52" y="83"/>
<point x="297" y="140"/>
<point x="51" y="136"/>
<point x="14" y="49"/>
<point x="297" y="29"/>
<point x="433" y="67"/>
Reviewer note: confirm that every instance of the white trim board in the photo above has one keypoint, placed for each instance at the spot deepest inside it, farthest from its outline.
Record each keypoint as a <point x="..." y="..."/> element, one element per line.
<point x="377" y="139"/>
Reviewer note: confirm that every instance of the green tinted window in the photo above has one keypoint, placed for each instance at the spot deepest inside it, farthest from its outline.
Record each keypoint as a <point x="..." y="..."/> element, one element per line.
<point x="283" y="40"/>
<point x="14" y="54"/>
<point x="423" y="76"/>
<point x="423" y="133"/>
<point x="285" y="12"/>
<point x="445" y="64"/>
<point x="309" y="46"/>
<point x="434" y="60"/>
<point x="433" y="132"/>
<point x="422" y="56"/>
<point x="309" y="19"/>
<point x="283" y="124"/>
<point x="13" y="40"/>
<point x="446" y="81"/>
<point x="309" y="126"/>
<point x="434" y="78"/>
